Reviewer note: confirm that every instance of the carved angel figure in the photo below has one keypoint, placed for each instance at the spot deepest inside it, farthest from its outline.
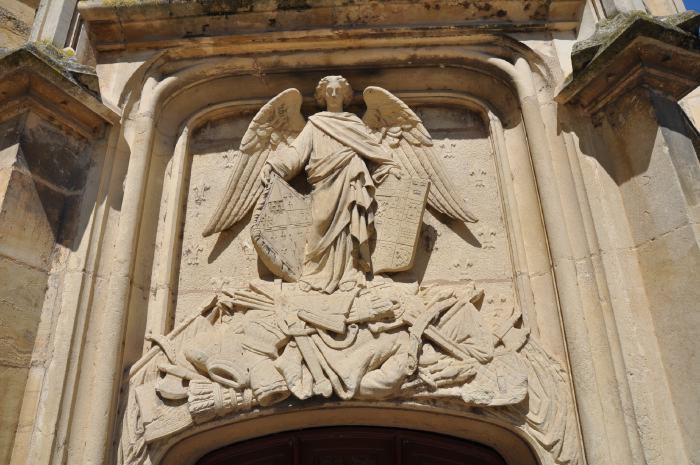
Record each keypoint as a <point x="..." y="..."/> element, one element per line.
<point x="331" y="329"/>
<point x="345" y="159"/>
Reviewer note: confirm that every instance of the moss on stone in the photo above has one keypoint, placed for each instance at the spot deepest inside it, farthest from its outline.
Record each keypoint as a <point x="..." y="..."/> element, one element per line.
<point x="689" y="21"/>
<point x="624" y="27"/>
<point x="121" y="3"/>
<point x="57" y="59"/>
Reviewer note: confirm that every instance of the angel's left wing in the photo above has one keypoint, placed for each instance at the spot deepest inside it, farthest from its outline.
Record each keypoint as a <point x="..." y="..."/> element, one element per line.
<point x="403" y="134"/>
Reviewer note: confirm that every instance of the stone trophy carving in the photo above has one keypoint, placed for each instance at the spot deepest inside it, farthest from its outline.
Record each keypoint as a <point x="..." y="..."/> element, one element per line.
<point x="335" y="323"/>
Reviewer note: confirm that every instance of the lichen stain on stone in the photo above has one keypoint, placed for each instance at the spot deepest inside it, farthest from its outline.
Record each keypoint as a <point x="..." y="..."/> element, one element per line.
<point x="226" y="7"/>
<point x="479" y="6"/>
<point x="482" y="10"/>
<point x="293" y="5"/>
<point x="542" y="10"/>
<point x="121" y="3"/>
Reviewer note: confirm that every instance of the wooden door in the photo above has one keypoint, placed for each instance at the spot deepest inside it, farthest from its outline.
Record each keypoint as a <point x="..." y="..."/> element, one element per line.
<point x="354" y="446"/>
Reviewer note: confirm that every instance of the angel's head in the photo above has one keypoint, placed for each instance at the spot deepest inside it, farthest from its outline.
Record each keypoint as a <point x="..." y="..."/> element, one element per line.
<point x="334" y="92"/>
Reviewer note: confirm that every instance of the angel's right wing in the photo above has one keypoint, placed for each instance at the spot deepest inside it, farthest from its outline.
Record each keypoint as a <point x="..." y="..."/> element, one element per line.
<point x="274" y="127"/>
<point x="403" y="135"/>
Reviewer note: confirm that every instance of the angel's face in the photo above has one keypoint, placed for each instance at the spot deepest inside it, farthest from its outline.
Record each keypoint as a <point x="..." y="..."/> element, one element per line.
<point x="334" y="95"/>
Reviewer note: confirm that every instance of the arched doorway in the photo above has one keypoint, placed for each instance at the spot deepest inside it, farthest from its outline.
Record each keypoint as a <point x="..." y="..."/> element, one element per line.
<point x="358" y="445"/>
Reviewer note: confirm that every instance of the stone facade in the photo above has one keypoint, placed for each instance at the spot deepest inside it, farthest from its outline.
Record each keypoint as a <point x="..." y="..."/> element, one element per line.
<point x="222" y="220"/>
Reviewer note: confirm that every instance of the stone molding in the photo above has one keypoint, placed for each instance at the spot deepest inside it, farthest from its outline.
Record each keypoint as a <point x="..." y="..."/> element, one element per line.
<point x="52" y="155"/>
<point x="180" y="69"/>
<point x="121" y="25"/>
<point x="198" y="382"/>
<point x="195" y="73"/>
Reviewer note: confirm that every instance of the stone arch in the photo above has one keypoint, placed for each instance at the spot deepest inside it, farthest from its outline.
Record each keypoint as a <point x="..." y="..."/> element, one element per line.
<point x="173" y="64"/>
<point x="509" y="442"/>
<point x="159" y="125"/>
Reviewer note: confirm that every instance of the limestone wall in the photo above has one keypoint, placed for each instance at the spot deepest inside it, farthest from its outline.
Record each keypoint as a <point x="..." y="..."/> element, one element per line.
<point x="578" y="162"/>
<point x="16" y="19"/>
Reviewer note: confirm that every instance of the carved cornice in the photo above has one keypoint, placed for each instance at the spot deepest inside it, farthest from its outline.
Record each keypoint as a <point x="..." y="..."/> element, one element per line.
<point x="633" y="50"/>
<point x="116" y="25"/>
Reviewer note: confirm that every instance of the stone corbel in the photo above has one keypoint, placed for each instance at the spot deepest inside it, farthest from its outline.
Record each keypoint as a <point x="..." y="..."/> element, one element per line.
<point x="62" y="90"/>
<point x="632" y="50"/>
<point x="51" y="117"/>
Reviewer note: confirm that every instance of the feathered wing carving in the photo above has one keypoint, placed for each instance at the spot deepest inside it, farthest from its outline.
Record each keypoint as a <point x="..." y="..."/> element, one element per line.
<point x="403" y="134"/>
<point x="274" y="127"/>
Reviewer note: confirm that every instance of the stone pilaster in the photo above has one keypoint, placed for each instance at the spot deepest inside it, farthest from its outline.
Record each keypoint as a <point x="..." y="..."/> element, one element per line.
<point x="50" y="118"/>
<point x="627" y="80"/>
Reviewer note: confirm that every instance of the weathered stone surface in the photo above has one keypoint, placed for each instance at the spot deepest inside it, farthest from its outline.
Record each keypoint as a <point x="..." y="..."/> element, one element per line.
<point x="565" y="310"/>
<point x="342" y="326"/>
<point x="22" y="289"/>
<point x="630" y="50"/>
<point x="461" y="139"/>
<point x="126" y="24"/>
<point x="49" y="119"/>
<point x="641" y="67"/>
<point x="16" y="18"/>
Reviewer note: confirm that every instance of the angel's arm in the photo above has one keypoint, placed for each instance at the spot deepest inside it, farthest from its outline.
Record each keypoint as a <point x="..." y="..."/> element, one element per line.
<point x="290" y="161"/>
<point x="381" y="159"/>
<point x="383" y="169"/>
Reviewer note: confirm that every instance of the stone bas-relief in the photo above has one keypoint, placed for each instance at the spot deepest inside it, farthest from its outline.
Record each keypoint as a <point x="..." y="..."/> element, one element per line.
<point x="558" y="121"/>
<point x="337" y="150"/>
<point x="335" y="323"/>
<point x="445" y="250"/>
<point x="385" y="341"/>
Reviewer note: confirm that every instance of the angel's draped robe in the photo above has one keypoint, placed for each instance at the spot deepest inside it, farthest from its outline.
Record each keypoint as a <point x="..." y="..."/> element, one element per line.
<point x="333" y="146"/>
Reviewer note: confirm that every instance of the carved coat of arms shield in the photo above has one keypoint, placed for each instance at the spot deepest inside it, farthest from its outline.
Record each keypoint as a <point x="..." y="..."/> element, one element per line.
<point x="279" y="228"/>
<point x="282" y="219"/>
<point x="400" y="207"/>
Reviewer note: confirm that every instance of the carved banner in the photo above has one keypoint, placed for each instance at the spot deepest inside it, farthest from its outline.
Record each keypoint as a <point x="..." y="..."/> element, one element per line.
<point x="400" y="206"/>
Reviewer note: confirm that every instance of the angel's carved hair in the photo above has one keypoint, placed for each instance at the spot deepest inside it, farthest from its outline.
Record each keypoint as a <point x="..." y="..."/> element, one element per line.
<point x="320" y="93"/>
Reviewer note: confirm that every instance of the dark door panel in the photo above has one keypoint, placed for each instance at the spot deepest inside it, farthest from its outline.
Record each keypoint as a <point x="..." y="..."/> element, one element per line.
<point x="354" y="446"/>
